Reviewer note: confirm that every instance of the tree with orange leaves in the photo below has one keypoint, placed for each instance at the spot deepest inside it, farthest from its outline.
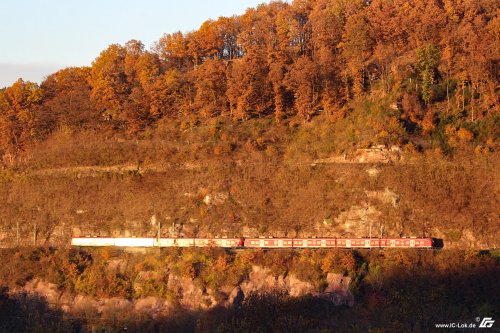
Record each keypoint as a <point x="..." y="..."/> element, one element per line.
<point x="209" y="81"/>
<point x="356" y="49"/>
<point x="249" y="91"/>
<point x="19" y="115"/>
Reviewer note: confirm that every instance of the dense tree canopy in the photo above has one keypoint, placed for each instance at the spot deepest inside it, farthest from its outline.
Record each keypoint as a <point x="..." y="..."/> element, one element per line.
<point x="438" y="60"/>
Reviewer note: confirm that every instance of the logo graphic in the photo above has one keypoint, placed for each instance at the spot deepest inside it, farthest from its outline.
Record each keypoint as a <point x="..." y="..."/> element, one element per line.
<point x="486" y="323"/>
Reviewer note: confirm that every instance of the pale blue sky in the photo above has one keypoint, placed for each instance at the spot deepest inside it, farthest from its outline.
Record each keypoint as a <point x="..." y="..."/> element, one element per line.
<point x="37" y="37"/>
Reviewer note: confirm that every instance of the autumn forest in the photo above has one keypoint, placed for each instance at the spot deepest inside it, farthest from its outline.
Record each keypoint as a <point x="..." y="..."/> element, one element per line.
<point x="305" y="118"/>
<point x="437" y="60"/>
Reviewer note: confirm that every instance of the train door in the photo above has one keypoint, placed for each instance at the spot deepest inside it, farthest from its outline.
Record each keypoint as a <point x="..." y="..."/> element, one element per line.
<point x="323" y="243"/>
<point x="412" y="243"/>
<point x="348" y="243"/>
<point x="367" y="243"/>
<point x="262" y="244"/>
<point x="280" y="243"/>
<point x="392" y="243"/>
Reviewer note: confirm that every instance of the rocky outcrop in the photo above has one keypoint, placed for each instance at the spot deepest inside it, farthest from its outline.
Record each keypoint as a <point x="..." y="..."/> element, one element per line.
<point x="387" y="197"/>
<point x="189" y="295"/>
<point x="464" y="238"/>
<point x="357" y="219"/>
<point x="337" y="289"/>
<point x="373" y="155"/>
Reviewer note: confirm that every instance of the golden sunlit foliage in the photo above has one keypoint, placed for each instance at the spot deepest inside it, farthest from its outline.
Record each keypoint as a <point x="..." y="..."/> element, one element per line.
<point x="438" y="60"/>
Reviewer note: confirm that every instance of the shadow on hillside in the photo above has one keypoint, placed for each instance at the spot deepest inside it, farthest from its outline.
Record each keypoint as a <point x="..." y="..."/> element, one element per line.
<point x="403" y="301"/>
<point x="22" y="312"/>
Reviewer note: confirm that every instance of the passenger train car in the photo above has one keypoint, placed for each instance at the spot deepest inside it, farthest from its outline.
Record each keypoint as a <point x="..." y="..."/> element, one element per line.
<point x="266" y="243"/>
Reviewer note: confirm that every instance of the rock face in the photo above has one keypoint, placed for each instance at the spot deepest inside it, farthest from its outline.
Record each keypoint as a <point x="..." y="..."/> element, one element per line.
<point x="190" y="296"/>
<point x="215" y="199"/>
<point x="48" y="290"/>
<point x="152" y="305"/>
<point x="464" y="238"/>
<point x="378" y="154"/>
<point x="356" y="221"/>
<point x="338" y="289"/>
<point x="236" y="298"/>
<point x="387" y="197"/>
<point x="373" y="155"/>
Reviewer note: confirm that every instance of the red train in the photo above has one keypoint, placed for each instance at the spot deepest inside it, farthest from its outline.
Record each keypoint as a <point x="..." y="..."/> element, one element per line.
<point x="338" y="242"/>
<point x="259" y="242"/>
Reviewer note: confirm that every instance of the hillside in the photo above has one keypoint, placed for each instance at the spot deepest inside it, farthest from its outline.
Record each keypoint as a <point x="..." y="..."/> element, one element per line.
<point x="315" y="118"/>
<point x="275" y="185"/>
